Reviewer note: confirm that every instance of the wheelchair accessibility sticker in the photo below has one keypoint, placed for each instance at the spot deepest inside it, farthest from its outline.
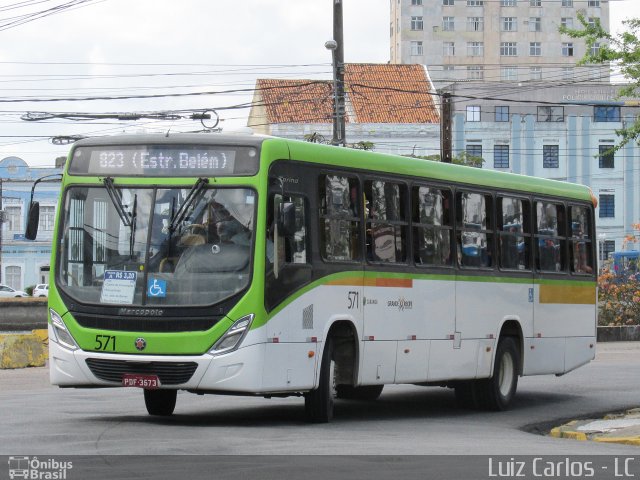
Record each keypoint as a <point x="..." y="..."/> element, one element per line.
<point x="157" y="288"/>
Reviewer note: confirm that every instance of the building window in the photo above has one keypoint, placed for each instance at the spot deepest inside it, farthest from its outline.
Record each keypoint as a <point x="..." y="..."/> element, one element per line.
<point x="508" y="49"/>
<point x="606" y="156"/>
<point x="13" y="217"/>
<point x="448" y="3"/>
<point x="475" y="49"/>
<point x="535" y="49"/>
<point x="502" y="113"/>
<point x="473" y="113"/>
<point x="535" y="24"/>
<point x="607" y="247"/>
<point x="592" y="21"/>
<point x="607" y="203"/>
<point x="475" y="24"/>
<point x="567" y="3"/>
<point x="535" y="73"/>
<point x="567" y="49"/>
<point x="501" y="156"/>
<point x="475" y="3"/>
<point x="13" y="276"/>
<point x="509" y="74"/>
<point x="474" y="150"/>
<point x="475" y="73"/>
<point x="417" y="23"/>
<point x="416" y="2"/>
<point x="606" y="114"/>
<point x="550" y="156"/>
<point x="509" y="24"/>
<point x="416" y="48"/>
<point x="566" y="22"/>
<point x="448" y="49"/>
<point x="594" y="3"/>
<point x="535" y="3"/>
<point x="550" y="114"/>
<point x="595" y="51"/>
<point x="47" y="217"/>
<point x="508" y="3"/>
<point x="448" y="24"/>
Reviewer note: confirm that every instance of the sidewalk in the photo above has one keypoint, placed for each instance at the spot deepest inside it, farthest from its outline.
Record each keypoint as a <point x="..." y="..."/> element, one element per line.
<point x="613" y="428"/>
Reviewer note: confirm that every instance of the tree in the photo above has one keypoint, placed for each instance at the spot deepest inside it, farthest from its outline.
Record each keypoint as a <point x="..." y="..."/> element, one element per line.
<point x="621" y="50"/>
<point x="463" y="158"/>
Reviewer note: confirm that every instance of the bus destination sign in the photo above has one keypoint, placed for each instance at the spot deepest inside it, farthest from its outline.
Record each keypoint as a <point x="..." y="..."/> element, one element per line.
<point x="164" y="161"/>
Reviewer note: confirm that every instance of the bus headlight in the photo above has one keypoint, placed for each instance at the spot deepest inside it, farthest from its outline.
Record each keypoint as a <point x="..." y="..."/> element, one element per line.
<point x="233" y="337"/>
<point x="60" y="332"/>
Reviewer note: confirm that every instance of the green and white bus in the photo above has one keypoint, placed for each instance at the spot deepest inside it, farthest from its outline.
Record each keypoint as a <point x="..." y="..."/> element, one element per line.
<point x="248" y="265"/>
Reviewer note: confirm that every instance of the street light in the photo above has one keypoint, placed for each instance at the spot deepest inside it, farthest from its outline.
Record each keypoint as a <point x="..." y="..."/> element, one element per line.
<point x="338" y="95"/>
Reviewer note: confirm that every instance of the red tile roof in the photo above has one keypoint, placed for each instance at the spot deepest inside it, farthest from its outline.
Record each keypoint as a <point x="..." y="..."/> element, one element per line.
<point x="375" y="93"/>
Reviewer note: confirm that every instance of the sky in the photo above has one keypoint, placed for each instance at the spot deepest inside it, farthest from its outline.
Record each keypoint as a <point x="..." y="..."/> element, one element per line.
<point x="112" y="48"/>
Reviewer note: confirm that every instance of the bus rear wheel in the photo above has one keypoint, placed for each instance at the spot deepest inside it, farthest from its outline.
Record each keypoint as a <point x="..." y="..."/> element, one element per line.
<point x="160" y="402"/>
<point x="367" y="393"/>
<point x="318" y="403"/>
<point x="497" y="392"/>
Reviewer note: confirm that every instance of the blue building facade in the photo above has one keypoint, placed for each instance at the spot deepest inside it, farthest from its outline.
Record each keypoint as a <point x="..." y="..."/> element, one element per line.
<point x="25" y="263"/>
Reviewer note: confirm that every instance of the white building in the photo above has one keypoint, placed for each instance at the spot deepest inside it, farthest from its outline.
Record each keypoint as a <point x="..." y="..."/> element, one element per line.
<point x="391" y="106"/>
<point x="495" y="40"/>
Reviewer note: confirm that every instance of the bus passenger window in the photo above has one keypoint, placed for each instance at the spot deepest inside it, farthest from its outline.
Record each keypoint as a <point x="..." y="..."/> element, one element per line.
<point x="474" y="238"/>
<point x="514" y="234"/>
<point x="432" y="226"/>
<point x="550" y="237"/>
<point x="386" y="222"/>
<point x="290" y="248"/>
<point x="581" y="245"/>
<point x="339" y="218"/>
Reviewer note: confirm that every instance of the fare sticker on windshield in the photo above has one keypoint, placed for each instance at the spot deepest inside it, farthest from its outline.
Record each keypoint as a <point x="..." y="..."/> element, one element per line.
<point x="119" y="287"/>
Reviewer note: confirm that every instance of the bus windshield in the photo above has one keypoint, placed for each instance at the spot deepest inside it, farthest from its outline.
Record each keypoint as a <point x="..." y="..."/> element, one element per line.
<point x="155" y="246"/>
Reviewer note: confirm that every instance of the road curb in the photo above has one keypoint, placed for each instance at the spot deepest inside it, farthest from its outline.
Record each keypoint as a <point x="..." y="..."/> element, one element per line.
<point x="20" y="350"/>
<point x="622" y="428"/>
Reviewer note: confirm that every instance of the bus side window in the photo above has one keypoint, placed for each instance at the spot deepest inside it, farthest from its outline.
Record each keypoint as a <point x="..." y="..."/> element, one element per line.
<point x="290" y="248"/>
<point x="475" y="235"/>
<point x="386" y="221"/>
<point x="432" y="225"/>
<point x="514" y="232"/>
<point x="339" y="218"/>
<point x="550" y="240"/>
<point x="581" y="245"/>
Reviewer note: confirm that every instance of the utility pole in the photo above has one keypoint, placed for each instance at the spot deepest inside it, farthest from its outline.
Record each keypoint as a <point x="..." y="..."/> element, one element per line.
<point x="445" y="128"/>
<point x="1" y="227"/>
<point x="337" y="52"/>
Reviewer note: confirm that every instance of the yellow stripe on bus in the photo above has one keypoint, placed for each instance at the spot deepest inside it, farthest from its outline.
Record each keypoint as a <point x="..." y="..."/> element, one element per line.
<point x="568" y="294"/>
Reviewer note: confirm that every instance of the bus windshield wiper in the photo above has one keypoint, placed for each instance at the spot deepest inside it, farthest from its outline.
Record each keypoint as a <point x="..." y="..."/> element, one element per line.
<point x="196" y="191"/>
<point x="116" y="199"/>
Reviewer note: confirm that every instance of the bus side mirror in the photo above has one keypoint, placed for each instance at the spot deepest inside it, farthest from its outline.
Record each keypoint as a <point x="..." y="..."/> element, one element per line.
<point x="33" y="218"/>
<point x="287" y="219"/>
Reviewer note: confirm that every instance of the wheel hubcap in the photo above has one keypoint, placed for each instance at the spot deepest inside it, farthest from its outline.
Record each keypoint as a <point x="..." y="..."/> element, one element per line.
<point x="507" y="368"/>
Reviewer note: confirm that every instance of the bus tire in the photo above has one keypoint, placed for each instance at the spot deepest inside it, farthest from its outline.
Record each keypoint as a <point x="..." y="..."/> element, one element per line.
<point x="160" y="402"/>
<point x="318" y="403"/>
<point x="367" y="393"/>
<point x="496" y="393"/>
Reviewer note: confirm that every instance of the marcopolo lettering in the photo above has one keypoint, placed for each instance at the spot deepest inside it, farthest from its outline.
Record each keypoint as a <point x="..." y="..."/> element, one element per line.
<point x="401" y="304"/>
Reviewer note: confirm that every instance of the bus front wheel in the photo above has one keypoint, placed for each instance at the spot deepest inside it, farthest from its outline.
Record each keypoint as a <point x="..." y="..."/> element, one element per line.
<point x="318" y="403"/>
<point x="160" y="402"/>
<point x="497" y="392"/>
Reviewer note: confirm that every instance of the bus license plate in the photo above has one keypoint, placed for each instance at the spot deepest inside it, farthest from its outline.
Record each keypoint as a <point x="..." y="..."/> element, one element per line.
<point x="140" y="381"/>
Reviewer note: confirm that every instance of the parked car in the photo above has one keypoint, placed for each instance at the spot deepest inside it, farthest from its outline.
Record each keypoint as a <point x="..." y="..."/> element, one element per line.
<point x="7" y="291"/>
<point x="41" y="290"/>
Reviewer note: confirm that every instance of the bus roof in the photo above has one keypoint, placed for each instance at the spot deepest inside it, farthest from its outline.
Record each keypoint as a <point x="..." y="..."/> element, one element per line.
<point x="359" y="159"/>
